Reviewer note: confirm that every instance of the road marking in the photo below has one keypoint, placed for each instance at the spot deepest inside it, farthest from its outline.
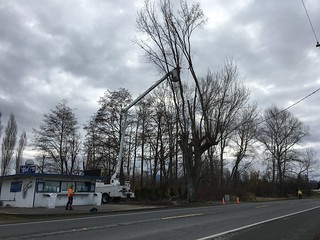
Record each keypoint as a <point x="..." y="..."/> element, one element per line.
<point x="182" y="216"/>
<point x="85" y="229"/>
<point x="69" y="219"/>
<point x="107" y="215"/>
<point x="255" y="224"/>
<point x="263" y="206"/>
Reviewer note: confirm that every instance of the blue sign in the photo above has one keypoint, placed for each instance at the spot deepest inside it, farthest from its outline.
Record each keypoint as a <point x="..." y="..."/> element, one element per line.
<point x="27" y="169"/>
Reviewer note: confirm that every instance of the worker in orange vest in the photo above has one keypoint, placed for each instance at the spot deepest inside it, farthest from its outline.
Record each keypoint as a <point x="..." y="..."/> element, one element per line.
<point x="299" y="193"/>
<point x="70" y="198"/>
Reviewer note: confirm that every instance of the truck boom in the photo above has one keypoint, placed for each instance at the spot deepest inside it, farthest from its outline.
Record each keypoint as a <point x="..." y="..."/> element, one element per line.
<point x="115" y="190"/>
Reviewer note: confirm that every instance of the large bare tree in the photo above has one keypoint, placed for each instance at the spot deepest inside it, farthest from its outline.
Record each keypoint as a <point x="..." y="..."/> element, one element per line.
<point x="8" y="145"/>
<point x="58" y="139"/>
<point x="168" y="29"/>
<point x="168" y="45"/>
<point x="280" y="133"/>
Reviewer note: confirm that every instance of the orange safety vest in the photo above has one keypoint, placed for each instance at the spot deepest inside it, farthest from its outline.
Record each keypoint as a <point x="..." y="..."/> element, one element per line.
<point x="70" y="192"/>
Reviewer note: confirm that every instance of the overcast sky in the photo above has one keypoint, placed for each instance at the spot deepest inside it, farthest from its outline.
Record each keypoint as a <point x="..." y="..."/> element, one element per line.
<point x="77" y="50"/>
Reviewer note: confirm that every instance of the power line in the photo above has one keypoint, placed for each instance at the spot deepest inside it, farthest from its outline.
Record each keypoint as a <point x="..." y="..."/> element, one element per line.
<point x="283" y="110"/>
<point x="301" y="99"/>
<point x="292" y="105"/>
<point x="314" y="33"/>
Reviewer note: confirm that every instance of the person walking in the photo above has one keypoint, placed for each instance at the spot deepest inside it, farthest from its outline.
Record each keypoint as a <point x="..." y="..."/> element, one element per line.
<point x="70" y="198"/>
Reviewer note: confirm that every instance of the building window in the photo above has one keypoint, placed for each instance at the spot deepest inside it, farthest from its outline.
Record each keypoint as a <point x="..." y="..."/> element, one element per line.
<point x="40" y="186"/>
<point x="16" y="186"/>
<point x="65" y="186"/>
<point x="49" y="186"/>
<point x="84" y="187"/>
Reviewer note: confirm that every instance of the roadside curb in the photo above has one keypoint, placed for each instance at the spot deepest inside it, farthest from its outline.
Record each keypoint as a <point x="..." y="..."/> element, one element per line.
<point x="78" y="210"/>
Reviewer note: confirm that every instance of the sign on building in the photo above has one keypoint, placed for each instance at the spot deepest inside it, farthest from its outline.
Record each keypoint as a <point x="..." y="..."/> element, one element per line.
<point x="27" y="169"/>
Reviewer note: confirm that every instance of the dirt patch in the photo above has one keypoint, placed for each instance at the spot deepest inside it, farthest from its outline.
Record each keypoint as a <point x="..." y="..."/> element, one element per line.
<point x="17" y="218"/>
<point x="7" y="218"/>
<point x="317" y="237"/>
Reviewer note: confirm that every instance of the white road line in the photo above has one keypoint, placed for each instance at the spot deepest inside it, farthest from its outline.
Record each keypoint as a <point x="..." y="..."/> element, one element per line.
<point x="95" y="217"/>
<point x="83" y="229"/>
<point x="255" y="224"/>
<point x="75" y="218"/>
<point x="182" y="216"/>
<point x="262" y="206"/>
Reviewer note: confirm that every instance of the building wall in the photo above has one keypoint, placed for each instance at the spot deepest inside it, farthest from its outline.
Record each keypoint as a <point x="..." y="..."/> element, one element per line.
<point x="23" y="198"/>
<point x="78" y="199"/>
<point x="61" y="199"/>
<point x="26" y="195"/>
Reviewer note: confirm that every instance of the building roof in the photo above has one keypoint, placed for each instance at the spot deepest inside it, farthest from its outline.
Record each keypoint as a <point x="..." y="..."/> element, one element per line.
<point x="46" y="175"/>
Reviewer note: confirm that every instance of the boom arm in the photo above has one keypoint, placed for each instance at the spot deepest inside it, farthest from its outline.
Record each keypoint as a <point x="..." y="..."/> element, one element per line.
<point x="115" y="179"/>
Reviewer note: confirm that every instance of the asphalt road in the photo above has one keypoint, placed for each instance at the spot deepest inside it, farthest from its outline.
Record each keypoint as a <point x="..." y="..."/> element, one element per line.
<point x="301" y="226"/>
<point x="295" y="219"/>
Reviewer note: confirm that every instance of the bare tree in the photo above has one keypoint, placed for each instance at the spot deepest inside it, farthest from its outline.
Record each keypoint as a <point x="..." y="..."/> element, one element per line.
<point x="306" y="163"/>
<point x="20" y="149"/>
<point x="168" y="45"/>
<point x="1" y="124"/>
<point x="165" y="141"/>
<point x="0" y="128"/>
<point x="58" y="138"/>
<point x="103" y="132"/>
<point x="223" y="98"/>
<point x="43" y="163"/>
<point x="135" y="150"/>
<point x="91" y="145"/>
<point x="144" y="114"/>
<point x="8" y="145"/>
<point x="72" y="157"/>
<point x="244" y="138"/>
<point x="280" y="132"/>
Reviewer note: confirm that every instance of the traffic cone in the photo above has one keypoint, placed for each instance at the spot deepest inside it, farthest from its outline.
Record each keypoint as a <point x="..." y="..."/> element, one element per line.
<point x="238" y="200"/>
<point x="223" y="201"/>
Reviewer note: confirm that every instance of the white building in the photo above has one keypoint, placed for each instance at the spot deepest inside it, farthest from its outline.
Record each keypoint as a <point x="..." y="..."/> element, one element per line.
<point x="47" y="190"/>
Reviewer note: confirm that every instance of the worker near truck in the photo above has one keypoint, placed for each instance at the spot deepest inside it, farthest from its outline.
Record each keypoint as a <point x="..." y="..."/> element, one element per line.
<point x="299" y="194"/>
<point x="70" y="198"/>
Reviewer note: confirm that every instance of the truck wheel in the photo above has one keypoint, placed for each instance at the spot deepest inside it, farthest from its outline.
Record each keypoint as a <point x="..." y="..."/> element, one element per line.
<point x="105" y="198"/>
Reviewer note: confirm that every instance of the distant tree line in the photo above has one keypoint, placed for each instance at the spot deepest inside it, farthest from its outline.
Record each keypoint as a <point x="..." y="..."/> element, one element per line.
<point x="153" y="158"/>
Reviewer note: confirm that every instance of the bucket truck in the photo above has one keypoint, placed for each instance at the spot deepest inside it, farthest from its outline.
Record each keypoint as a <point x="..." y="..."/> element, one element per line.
<point x="115" y="190"/>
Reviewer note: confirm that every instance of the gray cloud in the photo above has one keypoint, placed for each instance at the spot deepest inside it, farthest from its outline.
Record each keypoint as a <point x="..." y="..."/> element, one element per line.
<point x="76" y="50"/>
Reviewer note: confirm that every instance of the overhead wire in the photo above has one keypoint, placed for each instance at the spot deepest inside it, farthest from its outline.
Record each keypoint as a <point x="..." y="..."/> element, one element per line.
<point x="292" y="105"/>
<point x="301" y="100"/>
<point x="314" y="33"/>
